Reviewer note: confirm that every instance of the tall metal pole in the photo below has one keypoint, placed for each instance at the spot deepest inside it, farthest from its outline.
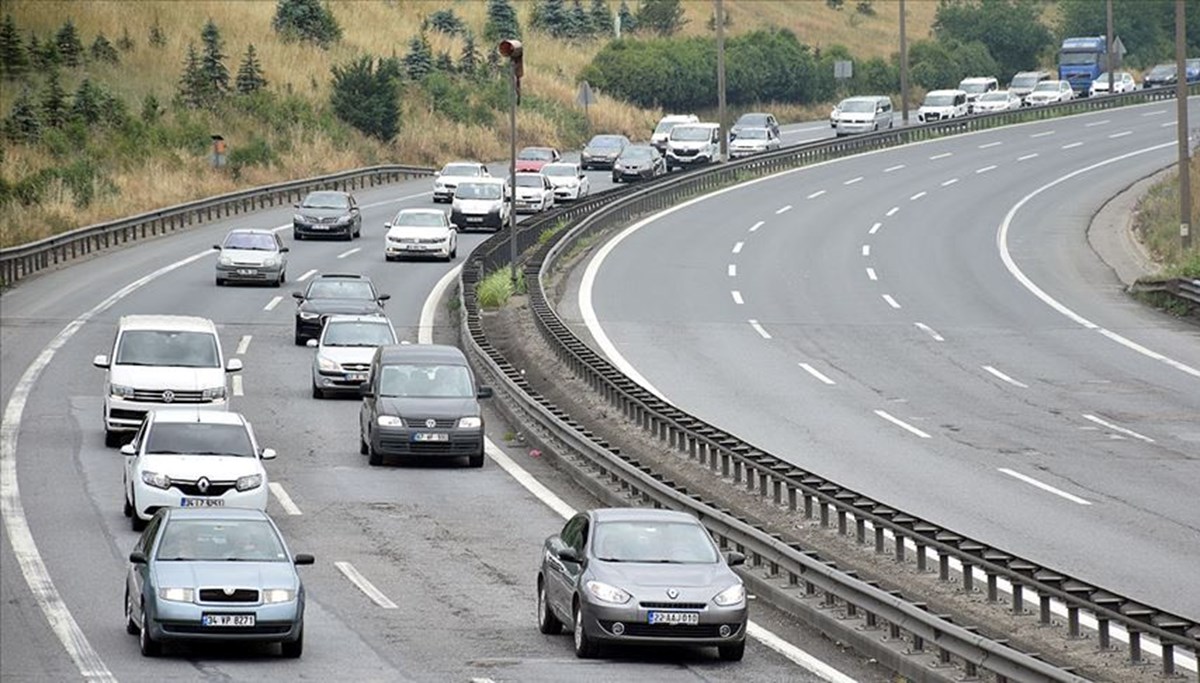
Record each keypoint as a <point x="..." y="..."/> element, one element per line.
<point x="512" y="170"/>
<point x="720" y="19"/>
<point x="903" y="67"/>
<point x="1181" y="89"/>
<point x="1110" y="63"/>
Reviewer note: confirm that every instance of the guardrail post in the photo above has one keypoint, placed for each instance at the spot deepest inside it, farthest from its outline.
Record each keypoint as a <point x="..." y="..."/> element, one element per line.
<point x="792" y="492"/>
<point x="968" y="577"/>
<point x="918" y="643"/>
<point x="1072" y="621"/>
<point x="737" y="471"/>
<point x="1135" y="644"/>
<point x="944" y="566"/>
<point x="993" y="588"/>
<point x="808" y="506"/>
<point x="922" y="559"/>
<point x="764" y="480"/>
<point x="824" y="515"/>
<point x="841" y="519"/>
<point x="1018" y="598"/>
<point x="860" y="530"/>
<point x="1168" y="658"/>
<point x="879" y="539"/>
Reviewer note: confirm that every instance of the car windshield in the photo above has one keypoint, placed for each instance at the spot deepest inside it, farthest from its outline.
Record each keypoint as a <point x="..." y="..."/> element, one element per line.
<point x="753" y="134"/>
<point x="220" y="540"/>
<point x="752" y="120"/>
<point x="939" y="100"/>
<point x="420" y="219"/>
<point x="973" y="88"/>
<point x="1077" y="58"/>
<point x="425" y="381"/>
<point x="654" y="542"/>
<point x="198" y="438"/>
<point x="326" y="200"/>
<point x="530" y="181"/>
<point x="357" y="333"/>
<point x="168" y="348"/>
<point x="1046" y="86"/>
<point x="636" y="154"/>
<point x="462" y="170"/>
<point x="340" y="289"/>
<point x="690" y="133"/>
<point x="478" y="191"/>
<point x="536" y="154"/>
<point x="565" y="170"/>
<point x="1025" y="80"/>
<point x="254" y="241"/>
<point x="994" y="96"/>
<point x="858" y="106"/>
<point x="606" y="142"/>
<point x="1162" y="71"/>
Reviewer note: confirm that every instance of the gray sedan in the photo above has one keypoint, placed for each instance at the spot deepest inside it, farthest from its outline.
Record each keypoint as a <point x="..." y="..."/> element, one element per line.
<point x="217" y="575"/>
<point x="641" y="576"/>
<point x="249" y="255"/>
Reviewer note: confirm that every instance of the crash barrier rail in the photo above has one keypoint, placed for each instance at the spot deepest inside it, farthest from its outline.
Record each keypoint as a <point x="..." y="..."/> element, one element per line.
<point x="1180" y="288"/>
<point x="786" y="484"/>
<point x="19" y="262"/>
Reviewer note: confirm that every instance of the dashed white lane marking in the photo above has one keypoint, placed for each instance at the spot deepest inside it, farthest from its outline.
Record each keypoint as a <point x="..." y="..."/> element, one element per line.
<point x="737" y="248"/>
<point x="307" y="275"/>
<point x="285" y="501"/>
<point x="756" y="226"/>
<point x="996" y="373"/>
<point x="1155" y="113"/>
<point x="871" y="274"/>
<point x="929" y="331"/>
<point x="348" y="252"/>
<point x="943" y="155"/>
<point x="816" y="194"/>
<point x="1044" y="486"/>
<point x="892" y="211"/>
<point x="852" y="180"/>
<point x="1042" y="134"/>
<point x="902" y="424"/>
<point x="281" y="228"/>
<point x="243" y="344"/>
<point x="1072" y="145"/>
<point x="866" y="250"/>
<point x="272" y="303"/>
<point x="782" y="209"/>
<point x="364" y="585"/>
<point x="737" y="297"/>
<point x="1121" y="134"/>
<point x="397" y="199"/>
<point x="890" y="301"/>
<point x="237" y="386"/>
<point x="1167" y="124"/>
<point x="1096" y="123"/>
<point x="875" y="228"/>
<point x="985" y="169"/>
<point x="1117" y="428"/>
<point x="1027" y="157"/>
<point x="991" y="144"/>
<point x="759" y="329"/>
<point x="948" y="183"/>
<point x="817" y="373"/>
<point x="917" y="196"/>
<point x="732" y="270"/>
<point x="482" y="680"/>
<point x="897" y="167"/>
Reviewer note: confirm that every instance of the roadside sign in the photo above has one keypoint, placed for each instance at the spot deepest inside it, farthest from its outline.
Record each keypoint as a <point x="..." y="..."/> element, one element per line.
<point x="585" y="96"/>
<point x="843" y="68"/>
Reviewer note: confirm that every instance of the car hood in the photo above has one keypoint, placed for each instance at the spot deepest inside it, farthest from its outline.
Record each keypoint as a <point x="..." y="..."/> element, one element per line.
<point x="1043" y="96"/>
<point x="857" y="117"/>
<point x="455" y="179"/>
<point x="676" y="144"/>
<point x="415" y="232"/>
<point x="477" y="205"/>
<point x="530" y="192"/>
<point x="631" y="576"/>
<point x="351" y="306"/>
<point x="429" y="407"/>
<point x="750" y="144"/>
<point x="192" y="467"/>
<point x="530" y="165"/>
<point x="563" y="181"/>
<point x="158" y="377"/>
<point x="936" y="108"/>
<point x="354" y="355"/>
<point x="248" y="256"/>
<point x="322" y="213"/>
<point x="260" y="575"/>
<point x="633" y="163"/>
<point x="606" y="152"/>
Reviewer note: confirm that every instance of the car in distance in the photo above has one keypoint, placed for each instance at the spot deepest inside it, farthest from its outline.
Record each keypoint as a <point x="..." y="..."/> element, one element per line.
<point x="481" y="205"/>
<point x="334" y="293"/>
<point x="569" y="181"/>
<point x="248" y="255"/>
<point x="865" y="114"/>
<point x="997" y="100"/>
<point x="975" y="86"/>
<point x="214" y="575"/>
<point x="193" y="458"/>
<point x="535" y="194"/>
<point x="602" y="150"/>
<point x="1024" y="82"/>
<point x="420" y="232"/>
<point x="534" y="158"/>
<point x="453" y="174"/>
<point x="1159" y="76"/>
<point x="327" y="213"/>
<point x="344" y="351"/>
<point x="641" y="576"/>
<point x="753" y="141"/>
<point x="1122" y="82"/>
<point x="754" y="119"/>
<point x="1050" y="92"/>
<point x="161" y="361"/>
<point x="693" y="144"/>
<point x="662" y="132"/>
<point x="940" y="105"/>
<point x="421" y="400"/>
<point x="638" y="162"/>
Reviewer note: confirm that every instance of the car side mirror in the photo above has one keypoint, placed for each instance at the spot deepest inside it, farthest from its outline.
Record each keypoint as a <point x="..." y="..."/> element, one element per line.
<point x="384" y="297"/>
<point x="311" y="343"/>
<point x="217" y="247"/>
<point x="268" y="454"/>
<point x="437" y="174"/>
<point x="388" y="226"/>
<point x="233" y="365"/>
<point x="569" y="554"/>
<point x="484" y="392"/>
<point x="298" y="295"/>
<point x="734" y="559"/>
<point x="284" y="250"/>
<point x="303" y="559"/>
<point x="365" y="391"/>
<point x="100" y="361"/>
<point x="137" y="557"/>
<point x="128" y="449"/>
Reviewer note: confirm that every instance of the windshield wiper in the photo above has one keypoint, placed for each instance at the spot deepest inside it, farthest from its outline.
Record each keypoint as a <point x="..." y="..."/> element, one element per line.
<point x="611" y="559"/>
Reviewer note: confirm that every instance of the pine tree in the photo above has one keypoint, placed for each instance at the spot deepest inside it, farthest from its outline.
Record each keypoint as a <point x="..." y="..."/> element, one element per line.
<point x="602" y="19"/>
<point x="250" y="74"/>
<point x="664" y="17"/>
<point x="23" y="124"/>
<point x="86" y="106"/>
<point x="113" y="111"/>
<point x="550" y="16"/>
<point x="151" y="109"/>
<point x="443" y="62"/>
<point x="580" y="22"/>
<point x="13" y="60"/>
<point x="69" y="45"/>
<point x="306" y="20"/>
<point x="212" y="63"/>
<point x="627" y="18"/>
<point x="157" y="37"/>
<point x="468" y="62"/>
<point x="103" y="51"/>
<point x="446" y="21"/>
<point x="125" y="42"/>
<point x="419" y="60"/>
<point x="54" y="102"/>
<point x="366" y="99"/>
<point x="501" y="22"/>
<point x="43" y="55"/>
<point x="192" y="85"/>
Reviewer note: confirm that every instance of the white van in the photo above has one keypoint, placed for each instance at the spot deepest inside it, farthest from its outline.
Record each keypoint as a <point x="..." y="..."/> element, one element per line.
<point x="691" y="144"/>
<point x="663" y="130"/>
<point x="160" y="362"/>
<point x="864" y="114"/>
<point x="976" y="86"/>
<point x="940" y="105"/>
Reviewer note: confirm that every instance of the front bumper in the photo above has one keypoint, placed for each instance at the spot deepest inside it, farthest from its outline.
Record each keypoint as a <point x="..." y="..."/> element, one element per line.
<point x="399" y="441"/>
<point x="597" y="162"/>
<point x="599" y="620"/>
<point x="531" y="205"/>
<point x="149" y="499"/>
<point x="693" y="160"/>
<point x="344" y="380"/>
<point x="322" y="229"/>
<point x="477" y="221"/>
<point x="244" y="273"/>
<point x="568" y="193"/>
<point x="854" y="127"/>
<point x="180" y="621"/>
<point x="398" y="249"/>
<point x="742" y="152"/>
<point x="125" y="415"/>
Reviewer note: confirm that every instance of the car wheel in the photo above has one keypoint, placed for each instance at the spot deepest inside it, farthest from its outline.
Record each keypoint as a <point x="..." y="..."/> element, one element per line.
<point x="616" y="179"/>
<point x="148" y="645"/>
<point x="297" y="236"/>
<point x="317" y="392"/>
<point x="220" y="282"/>
<point x="135" y="521"/>
<point x="475" y="460"/>
<point x="732" y="653"/>
<point x="547" y="622"/>
<point x="299" y="339"/>
<point x="358" y="231"/>
<point x="293" y="649"/>
<point x="131" y="626"/>
<point x="127" y="508"/>
<point x="363" y="449"/>
<point x="585" y="647"/>
<point x="374" y="457"/>
<point x="282" y="277"/>
<point x="112" y="439"/>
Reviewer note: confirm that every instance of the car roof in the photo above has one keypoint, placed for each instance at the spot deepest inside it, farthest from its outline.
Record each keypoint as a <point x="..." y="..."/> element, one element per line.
<point x="421" y="353"/>
<point x="423" y="210"/>
<point x="679" y="117"/>
<point x="489" y="180"/>
<point x="344" y="318"/>
<point x="182" y="323"/>
<point x="468" y="163"/>
<point x="978" y="79"/>
<point x="636" y="514"/>
<point x="948" y="91"/>
<point x="864" y="98"/>
<point x="200" y="415"/>
<point x="254" y="231"/>
<point x="216" y="513"/>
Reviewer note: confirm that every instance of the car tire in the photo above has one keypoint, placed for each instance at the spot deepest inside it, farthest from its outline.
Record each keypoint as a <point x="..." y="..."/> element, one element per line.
<point x="732" y="653"/>
<point x="358" y="231"/>
<point x="317" y="392"/>
<point x="220" y="282"/>
<point x="548" y="623"/>
<point x="293" y="649"/>
<point x="131" y="626"/>
<point x="475" y="460"/>
<point x="127" y="508"/>
<point x="363" y="449"/>
<point x="112" y="439"/>
<point x="282" y="277"/>
<point x="297" y="236"/>
<point x="148" y="645"/>
<point x="299" y="339"/>
<point x="585" y="647"/>
<point x="374" y="457"/>
<point x="135" y="521"/>
<point x="616" y="179"/>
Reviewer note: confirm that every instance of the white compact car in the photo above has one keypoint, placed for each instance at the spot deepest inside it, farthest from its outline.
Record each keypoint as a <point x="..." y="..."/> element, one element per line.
<point x="193" y="458"/>
<point x="345" y="350"/>
<point x="1050" y="92"/>
<point x="480" y="205"/>
<point x="534" y="193"/>
<point x="1122" y="82"/>
<point x="452" y="175"/>
<point x="569" y="181"/>
<point x="997" y="100"/>
<point x="753" y="141"/>
<point x="420" y="232"/>
<point x="940" y="105"/>
<point x="161" y="361"/>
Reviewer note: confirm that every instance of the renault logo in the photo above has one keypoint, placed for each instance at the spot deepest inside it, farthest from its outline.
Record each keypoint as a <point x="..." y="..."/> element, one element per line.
<point x="203" y="484"/>
<point x="168" y="396"/>
<point x="431" y="423"/>
<point x="672" y="593"/>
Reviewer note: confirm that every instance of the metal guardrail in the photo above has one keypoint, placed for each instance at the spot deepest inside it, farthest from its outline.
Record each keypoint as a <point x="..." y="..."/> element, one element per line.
<point x="19" y="262"/>
<point x="786" y="484"/>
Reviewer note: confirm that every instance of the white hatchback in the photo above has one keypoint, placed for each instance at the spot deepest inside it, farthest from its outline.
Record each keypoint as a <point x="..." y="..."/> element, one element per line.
<point x="193" y="458"/>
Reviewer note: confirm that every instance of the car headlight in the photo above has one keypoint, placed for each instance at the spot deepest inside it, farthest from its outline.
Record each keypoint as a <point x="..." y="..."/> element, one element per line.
<point x="327" y="365"/>
<point x="439" y="185"/>
<point x="270" y="261"/>
<point x="225" y="260"/>
<point x="470" y="423"/>
<point x="733" y="595"/>
<point x="300" y="218"/>
<point x="158" y="481"/>
<point x="616" y="166"/>
<point x="606" y="593"/>
<point x="306" y="315"/>
<point x="248" y="482"/>
<point x="277" y="595"/>
<point x="176" y="594"/>
<point x="389" y="421"/>
<point x="342" y="219"/>
<point x="213" y="393"/>
<point x="120" y="391"/>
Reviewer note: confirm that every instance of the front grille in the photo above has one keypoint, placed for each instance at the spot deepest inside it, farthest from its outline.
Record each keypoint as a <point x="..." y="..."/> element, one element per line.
<point x="685" y="152"/>
<point x="123" y="414"/>
<point x="677" y="631"/>
<point x="159" y="396"/>
<point x="439" y="423"/>
<point x="215" y="488"/>
<point x="402" y="446"/>
<point x="328" y="219"/>
<point x="430" y="240"/>
<point x="257" y="629"/>
<point x="218" y="595"/>
<point x="356" y="367"/>
<point x="674" y="605"/>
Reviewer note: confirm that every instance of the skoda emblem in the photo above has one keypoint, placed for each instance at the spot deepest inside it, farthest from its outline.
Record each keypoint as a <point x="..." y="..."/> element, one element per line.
<point x="202" y="484"/>
<point x="227" y="591"/>
<point x="168" y="396"/>
<point x="672" y="593"/>
<point x="431" y="423"/>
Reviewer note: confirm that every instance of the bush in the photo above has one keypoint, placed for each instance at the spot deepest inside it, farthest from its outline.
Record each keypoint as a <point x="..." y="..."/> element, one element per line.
<point x="306" y="20"/>
<point x="494" y="291"/>
<point x="256" y="152"/>
<point x="366" y="98"/>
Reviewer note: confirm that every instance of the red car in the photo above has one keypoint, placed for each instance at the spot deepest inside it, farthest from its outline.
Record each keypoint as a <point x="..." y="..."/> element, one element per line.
<point x="534" y="158"/>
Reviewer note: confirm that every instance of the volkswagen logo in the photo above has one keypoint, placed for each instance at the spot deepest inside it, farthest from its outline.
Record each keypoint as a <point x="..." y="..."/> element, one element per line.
<point x="431" y="423"/>
<point x="673" y="593"/>
<point x="168" y="396"/>
<point x="228" y="591"/>
<point x="203" y="484"/>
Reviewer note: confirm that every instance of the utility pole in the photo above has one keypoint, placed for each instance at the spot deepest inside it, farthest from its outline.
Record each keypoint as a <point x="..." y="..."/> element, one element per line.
<point x="512" y="49"/>
<point x="1181" y="91"/>
<point x="1112" y="63"/>
<point x="720" y="20"/>
<point x="903" y="68"/>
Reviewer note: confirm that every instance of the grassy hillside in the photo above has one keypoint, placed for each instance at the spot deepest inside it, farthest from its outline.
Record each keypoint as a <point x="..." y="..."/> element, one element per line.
<point x="134" y="172"/>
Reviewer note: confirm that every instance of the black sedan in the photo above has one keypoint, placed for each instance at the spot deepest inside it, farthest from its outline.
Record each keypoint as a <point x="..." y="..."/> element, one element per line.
<point x="639" y="162"/>
<point x="327" y="214"/>
<point x="332" y="293"/>
<point x="602" y="150"/>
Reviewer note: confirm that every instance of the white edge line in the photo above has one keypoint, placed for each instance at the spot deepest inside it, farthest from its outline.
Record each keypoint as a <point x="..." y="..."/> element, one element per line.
<point x="817" y="373"/>
<point x="901" y="424"/>
<point x="429" y="309"/>
<point x="1117" y="428"/>
<point x="285" y="501"/>
<point x="346" y="253"/>
<point x="737" y="297"/>
<point x="875" y="228"/>
<point x="307" y="275"/>
<point x="237" y="386"/>
<point x="1000" y="375"/>
<point x="364" y="585"/>
<point x="1044" y="486"/>
<point x="759" y="329"/>
<point x="243" y="344"/>
<point x="272" y="303"/>
<point x="871" y="274"/>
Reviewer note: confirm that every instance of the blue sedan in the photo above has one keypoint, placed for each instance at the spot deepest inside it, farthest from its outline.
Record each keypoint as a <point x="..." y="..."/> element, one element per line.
<point x="216" y="575"/>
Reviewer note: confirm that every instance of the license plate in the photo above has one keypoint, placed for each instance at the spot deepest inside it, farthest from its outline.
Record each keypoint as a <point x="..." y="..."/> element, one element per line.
<point x="474" y="219"/>
<point x="356" y="376"/>
<point x="424" y="436"/>
<point x="675" y="618"/>
<point x="202" y="503"/>
<point x="320" y="227"/>
<point x="416" y="247"/>
<point x="246" y="271"/>
<point x="227" y="620"/>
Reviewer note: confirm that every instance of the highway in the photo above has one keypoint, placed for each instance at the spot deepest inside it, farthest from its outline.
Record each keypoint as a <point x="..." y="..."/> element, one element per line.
<point x="928" y="326"/>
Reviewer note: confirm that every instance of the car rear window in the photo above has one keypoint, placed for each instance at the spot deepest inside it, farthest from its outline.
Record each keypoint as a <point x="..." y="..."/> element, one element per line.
<point x="198" y="438"/>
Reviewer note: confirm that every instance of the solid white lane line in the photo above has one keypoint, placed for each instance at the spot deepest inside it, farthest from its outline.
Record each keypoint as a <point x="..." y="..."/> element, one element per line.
<point x="1096" y="123"/>
<point x="930" y="331"/>
<point x="1044" y="486"/>
<point x="1117" y="428"/>
<point x="737" y="248"/>
<point x="346" y="253"/>
<point x="1005" y="377"/>
<point x="871" y="274"/>
<point x="307" y="275"/>
<point x="756" y="226"/>
<point x="759" y="329"/>
<point x="852" y="180"/>
<point x="917" y="196"/>
<point x="237" y="386"/>
<point x="364" y="585"/>
<point x="948" y="183"/>
<point x="892" y="211"/>
<point x="897" y="167"/>
<point x="285" y="501"/>
<point x="428" y="311"/>
<point x="1073" y="145"/>
<point x="985" y="169"/>
<point x="783" y="209"/>
<point x="1155" y="113"/>
<point x="817" y="373"/>
<point x="243" y="344"/>
<point x="1027" y="157"/>
<point x="732" y="270"/>
<point x="272" y="303"/>
<point x="816" y="194"/>
<point x="991" y="144"/>
<point x="890" y="301"/>
<point x="1121" y="134"/>
<point x="902" y="424"/>
<point x="943" y="155"/>
<point x="866" y="250"/>
<point x="737" y="297"/>
<point x="1042" y="135"/>
<point x="875" y="228"/>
